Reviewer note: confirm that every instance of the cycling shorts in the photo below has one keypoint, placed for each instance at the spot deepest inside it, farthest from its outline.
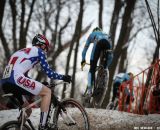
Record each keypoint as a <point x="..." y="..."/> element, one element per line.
<point x="23" y="82"/>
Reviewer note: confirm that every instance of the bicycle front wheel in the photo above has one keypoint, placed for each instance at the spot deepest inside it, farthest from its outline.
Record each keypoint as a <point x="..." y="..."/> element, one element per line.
<point x="14" y="125"/>
<point x="71" y="115"/>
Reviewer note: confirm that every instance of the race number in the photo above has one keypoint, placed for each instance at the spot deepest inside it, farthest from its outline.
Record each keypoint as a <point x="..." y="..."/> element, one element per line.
<point x="7" y="71"/>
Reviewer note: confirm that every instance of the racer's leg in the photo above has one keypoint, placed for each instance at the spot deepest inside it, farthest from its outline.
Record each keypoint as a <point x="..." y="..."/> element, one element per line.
<point x="46" y="98"/>
<point x="109" y="57"/>
<point x="115" y="90"/>
<point x="36" y="88"/>
<point x="93" y="63"/>
<point x="91" y="77"/>
<point x="127" y="93"/>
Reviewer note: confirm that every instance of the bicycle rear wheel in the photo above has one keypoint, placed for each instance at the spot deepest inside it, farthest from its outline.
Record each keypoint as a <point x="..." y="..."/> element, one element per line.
<point x="71" y="115"/>
<point x="14" y="125"/>
<point x="100" y="89"/>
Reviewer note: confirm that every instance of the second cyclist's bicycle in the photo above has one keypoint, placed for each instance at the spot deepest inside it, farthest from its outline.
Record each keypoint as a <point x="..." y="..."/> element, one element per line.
<point x="67" y="114"/>
<point x="100" y="85"/>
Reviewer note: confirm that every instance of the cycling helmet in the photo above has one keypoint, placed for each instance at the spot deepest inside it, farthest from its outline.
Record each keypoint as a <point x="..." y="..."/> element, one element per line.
<point x="40" y="40"/>
<point x="97" y="29"/>
<point x="130" y="74"/>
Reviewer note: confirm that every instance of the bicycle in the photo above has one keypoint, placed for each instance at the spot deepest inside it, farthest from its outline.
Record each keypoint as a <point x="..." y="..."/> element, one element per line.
<point x="101" y="83"/>
<point x="113" y="105"/>
<point x="123" y="96"/>
<point x="67" y="114"/>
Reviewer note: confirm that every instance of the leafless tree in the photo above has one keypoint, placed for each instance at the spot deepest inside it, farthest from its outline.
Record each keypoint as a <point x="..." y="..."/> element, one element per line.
<point x="120" y="43"/>
<point x="2" y="36"/>
<point x="24" y="25"/>
<point x="79" y="30"/>
<point x="76" y="37"/>
<point x="51" y="15"/>
<point x="115" y="18"/>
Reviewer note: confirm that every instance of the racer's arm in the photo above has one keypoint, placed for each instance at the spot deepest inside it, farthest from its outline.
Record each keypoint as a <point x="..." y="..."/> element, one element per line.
<point x="89" y="40"/>
<point x="45" y="66"/>
<point x="109" y="58"/>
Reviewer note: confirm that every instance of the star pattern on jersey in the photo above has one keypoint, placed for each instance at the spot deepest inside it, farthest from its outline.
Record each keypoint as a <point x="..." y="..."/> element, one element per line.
<point x="45" y="67"/>
<point x="32" y="59"/>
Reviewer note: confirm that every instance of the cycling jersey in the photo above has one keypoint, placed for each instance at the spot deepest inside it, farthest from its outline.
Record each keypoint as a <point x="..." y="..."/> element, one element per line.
<point x="21" y="62"/>
<point x="94" y="38"/>
<point x="121" y="77"/>
<point x="118" y="80"/>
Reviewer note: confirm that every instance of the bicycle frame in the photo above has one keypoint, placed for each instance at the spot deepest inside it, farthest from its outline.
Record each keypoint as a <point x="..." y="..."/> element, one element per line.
<point x="23" y="111"/>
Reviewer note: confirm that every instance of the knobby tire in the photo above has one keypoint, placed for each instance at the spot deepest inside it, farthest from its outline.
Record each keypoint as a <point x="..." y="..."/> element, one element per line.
<point x="13" y="124"/>
<point x="77" y="112"/>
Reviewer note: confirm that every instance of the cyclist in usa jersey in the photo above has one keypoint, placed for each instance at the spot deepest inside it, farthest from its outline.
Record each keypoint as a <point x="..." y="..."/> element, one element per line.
<point x="16" y="81"/>
<point x="101" y="42"/>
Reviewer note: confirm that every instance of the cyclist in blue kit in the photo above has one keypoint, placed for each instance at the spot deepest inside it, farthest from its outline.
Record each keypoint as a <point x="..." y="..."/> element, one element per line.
<point x="101" y="41"/>
<point x="118" y="80"/>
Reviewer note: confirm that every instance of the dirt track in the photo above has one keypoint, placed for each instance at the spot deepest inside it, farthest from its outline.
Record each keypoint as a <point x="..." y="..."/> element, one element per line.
<point x="101" y="119"/>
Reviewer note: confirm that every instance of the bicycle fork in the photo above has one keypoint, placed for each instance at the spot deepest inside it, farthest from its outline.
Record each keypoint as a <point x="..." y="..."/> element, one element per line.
<point x="23" y="115"/>
<point x="67" y="118"/>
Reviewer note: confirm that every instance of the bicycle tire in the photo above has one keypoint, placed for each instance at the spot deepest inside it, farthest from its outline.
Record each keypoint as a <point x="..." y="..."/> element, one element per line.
<point x="116" y="105"/>
<point x="102" y="84"/>
<point x="14" y="124"/>
<point x="76" y="111"/>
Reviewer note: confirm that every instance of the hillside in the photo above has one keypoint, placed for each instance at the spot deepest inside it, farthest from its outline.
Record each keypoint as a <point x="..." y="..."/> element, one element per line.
<point x="101" y="119"/>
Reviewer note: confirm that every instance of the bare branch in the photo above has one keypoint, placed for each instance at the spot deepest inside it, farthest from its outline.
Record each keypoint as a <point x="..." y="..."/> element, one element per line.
<point x="67" y="44"/>
<point x="3" y="39"/>
<point x="139" y="30"/>
<point x="14" y="13"/>
<point x="29" y="17"/>
<point x="61" y="30"/>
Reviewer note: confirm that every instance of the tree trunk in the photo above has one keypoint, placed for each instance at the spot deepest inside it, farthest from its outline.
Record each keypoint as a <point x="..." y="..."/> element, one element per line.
<point x="123" y="59"/>
<point x="23" y="29"/>
<point x="3" y="39"/>
<point x="75" y="37"/>
<point x="57" y="22"/>
<point x="100" y="13"/>
<point x="114" y="20"/>
<point x="28" y="21"/>
<point x="74" y="70"/>
<point x="77" y="46"/>
<point x="121" y="41"/>
<point x="14" y="14"/>
<point x="21" y="38"/>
